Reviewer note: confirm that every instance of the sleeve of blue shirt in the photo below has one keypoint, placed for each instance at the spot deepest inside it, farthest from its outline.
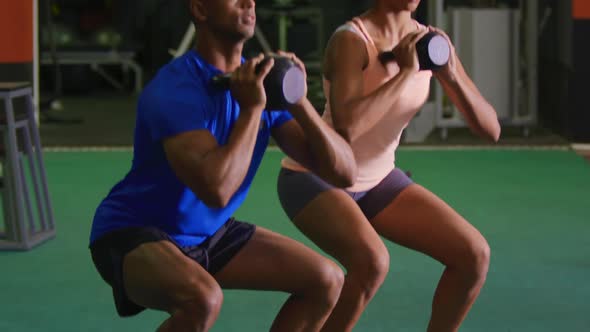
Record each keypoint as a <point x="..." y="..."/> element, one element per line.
<point x="278" y="118"/>
<point x="177" y="110"/>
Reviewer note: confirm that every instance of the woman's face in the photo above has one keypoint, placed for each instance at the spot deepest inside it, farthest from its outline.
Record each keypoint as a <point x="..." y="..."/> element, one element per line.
<point x="402" y="5"/>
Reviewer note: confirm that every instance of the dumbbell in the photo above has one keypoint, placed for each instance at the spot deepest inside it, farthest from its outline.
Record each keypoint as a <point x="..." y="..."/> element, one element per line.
<point x="433" y="51"/>
<point x="284" y="85"/>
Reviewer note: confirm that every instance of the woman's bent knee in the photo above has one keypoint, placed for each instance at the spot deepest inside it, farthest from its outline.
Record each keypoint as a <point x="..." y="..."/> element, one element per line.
<point x="370" y="269"/>
<point x="480" y="259"/>
<point x="474" y="261"/>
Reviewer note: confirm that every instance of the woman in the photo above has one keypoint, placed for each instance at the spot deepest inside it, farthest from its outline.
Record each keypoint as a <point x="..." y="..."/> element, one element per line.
<point x="369" y="104"/>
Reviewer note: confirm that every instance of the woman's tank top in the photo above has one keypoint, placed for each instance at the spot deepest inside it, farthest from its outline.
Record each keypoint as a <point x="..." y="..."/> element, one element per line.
<point x="374" y="151"/>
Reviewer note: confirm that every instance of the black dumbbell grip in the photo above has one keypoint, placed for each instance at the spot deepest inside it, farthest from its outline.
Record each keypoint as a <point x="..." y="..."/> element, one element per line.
<point x="424" y="55"/>
<point x="222" y="81"/>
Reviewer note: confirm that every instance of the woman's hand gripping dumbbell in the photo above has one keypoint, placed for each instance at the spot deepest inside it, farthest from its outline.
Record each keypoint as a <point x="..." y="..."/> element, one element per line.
<point x="432" y="48"/>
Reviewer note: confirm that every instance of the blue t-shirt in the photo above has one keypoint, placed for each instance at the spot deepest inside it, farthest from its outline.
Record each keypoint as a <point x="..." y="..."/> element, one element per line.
<point x="180" y="98"/>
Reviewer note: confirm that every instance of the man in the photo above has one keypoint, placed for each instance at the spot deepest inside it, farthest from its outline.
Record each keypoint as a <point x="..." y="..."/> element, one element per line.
<point x="164" y="237"/>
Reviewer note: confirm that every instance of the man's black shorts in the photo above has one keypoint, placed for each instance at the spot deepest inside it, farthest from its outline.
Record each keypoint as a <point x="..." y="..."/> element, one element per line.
<point x="108" y="253"/>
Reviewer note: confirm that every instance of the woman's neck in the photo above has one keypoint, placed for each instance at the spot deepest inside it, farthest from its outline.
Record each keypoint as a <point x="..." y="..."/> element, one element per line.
<point x="389" y="24"/>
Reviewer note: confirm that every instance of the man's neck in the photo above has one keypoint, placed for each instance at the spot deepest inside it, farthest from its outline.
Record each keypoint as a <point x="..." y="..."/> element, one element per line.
<point x="223" y="54"/>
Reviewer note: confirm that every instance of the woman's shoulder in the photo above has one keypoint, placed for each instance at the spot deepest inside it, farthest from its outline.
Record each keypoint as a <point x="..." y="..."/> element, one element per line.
<point x="348" y="28"/>
<point x="418" y="24"/>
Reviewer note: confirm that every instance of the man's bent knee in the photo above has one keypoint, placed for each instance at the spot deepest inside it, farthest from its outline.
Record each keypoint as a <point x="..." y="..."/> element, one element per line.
<point x="326" y="284"/>
<point x="198" y="308"/>
<point x="204" y="299"/>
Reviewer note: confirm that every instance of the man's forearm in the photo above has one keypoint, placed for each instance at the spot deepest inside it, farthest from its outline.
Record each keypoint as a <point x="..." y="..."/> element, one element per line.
<point x="227" y="166"/>
<point x="331" y="156"/>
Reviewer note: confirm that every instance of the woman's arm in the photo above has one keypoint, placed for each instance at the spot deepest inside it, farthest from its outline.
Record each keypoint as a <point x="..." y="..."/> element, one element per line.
<point x="479" y="114"/>
<point x="353" y="114"/>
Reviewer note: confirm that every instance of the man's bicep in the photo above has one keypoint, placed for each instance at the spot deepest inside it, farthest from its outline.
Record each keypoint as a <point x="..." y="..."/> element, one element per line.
<point x="290" y="137"/>
<point x="186" y="152"/>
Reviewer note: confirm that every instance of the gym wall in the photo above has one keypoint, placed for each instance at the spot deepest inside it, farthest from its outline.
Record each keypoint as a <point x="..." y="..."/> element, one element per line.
<point x="581" y="9"/>
<point x="16" y="34"/>
<point x="581" y="71"/>
<point x="564" y="67"/>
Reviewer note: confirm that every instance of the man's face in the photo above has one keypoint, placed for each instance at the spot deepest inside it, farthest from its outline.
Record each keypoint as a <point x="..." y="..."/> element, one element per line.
<point x="232" y="18"/>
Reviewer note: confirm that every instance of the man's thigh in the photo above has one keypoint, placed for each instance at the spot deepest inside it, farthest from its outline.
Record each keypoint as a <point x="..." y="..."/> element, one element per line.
<point x="270" y="261"/>
<point x="158" y="275"/>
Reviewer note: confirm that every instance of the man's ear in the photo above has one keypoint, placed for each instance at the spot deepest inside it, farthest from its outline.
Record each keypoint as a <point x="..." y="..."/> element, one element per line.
<point x="198" y="10"/>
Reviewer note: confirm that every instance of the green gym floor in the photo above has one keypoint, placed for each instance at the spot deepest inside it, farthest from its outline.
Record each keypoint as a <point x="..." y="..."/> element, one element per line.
<point x="533" y="206"/>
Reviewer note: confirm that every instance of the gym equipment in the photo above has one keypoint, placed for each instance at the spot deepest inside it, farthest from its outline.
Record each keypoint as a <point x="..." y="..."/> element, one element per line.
<point x="284" y="84"/>
<point x="107" y="37"/>
<point x="28" y="216"/>
<point x="61" y="35"/>
<point x="433" y="51"/>
<point x="54" y="36"/>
